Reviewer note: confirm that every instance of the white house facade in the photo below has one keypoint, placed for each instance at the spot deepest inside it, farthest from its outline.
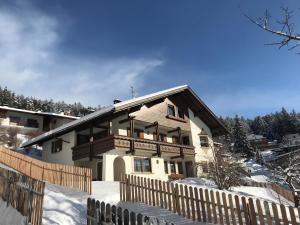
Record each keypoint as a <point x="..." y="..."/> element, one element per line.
<point x="158" y="135"/>
<point x="28" y="122"/>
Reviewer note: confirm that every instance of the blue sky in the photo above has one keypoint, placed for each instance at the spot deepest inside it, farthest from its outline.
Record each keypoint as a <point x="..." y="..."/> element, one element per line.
<point x="94" y="51"/>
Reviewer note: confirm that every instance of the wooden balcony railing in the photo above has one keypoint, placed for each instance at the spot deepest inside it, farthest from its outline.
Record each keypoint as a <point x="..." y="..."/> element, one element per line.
<point x="130" y="145"/>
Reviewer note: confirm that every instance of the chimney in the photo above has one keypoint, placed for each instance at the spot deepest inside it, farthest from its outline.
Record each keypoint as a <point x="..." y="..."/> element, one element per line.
<point x="117" y="101"/>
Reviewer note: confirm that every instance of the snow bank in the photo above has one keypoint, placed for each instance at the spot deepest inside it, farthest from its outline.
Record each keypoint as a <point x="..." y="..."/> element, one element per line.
<point x="202" y="182"/>
<point x="66" y="206"/>
<point x="10" y="216"/>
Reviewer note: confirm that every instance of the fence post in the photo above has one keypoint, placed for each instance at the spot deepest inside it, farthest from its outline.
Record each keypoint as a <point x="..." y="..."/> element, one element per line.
<point x="30" y="168"/>
<point x="61" y="176"/>
<point x="43" y="173"/>
<point x="85" y="181"/>
<point x="127" y="186"/>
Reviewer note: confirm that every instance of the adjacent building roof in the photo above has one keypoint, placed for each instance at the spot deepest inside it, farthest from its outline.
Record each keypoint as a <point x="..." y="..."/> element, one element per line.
<point x="197" y="106"/>
<point x="38" y="112"/>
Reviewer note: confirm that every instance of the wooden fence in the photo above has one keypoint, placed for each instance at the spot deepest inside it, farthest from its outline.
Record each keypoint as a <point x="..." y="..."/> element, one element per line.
<point x="278" y="189"/>
<point x="102" y="213"/>
<point x="64" y="175"/>
<point x="24" y="194"/>
<point x="206" y="205"/>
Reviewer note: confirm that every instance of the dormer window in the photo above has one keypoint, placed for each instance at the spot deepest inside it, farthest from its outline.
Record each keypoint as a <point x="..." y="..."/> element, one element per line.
<point x="171" y="110"/>
<point x="180" y="114"/>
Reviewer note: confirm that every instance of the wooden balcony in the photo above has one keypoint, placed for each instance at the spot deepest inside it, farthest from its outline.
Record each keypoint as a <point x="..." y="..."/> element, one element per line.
<point x="131" y="145"/>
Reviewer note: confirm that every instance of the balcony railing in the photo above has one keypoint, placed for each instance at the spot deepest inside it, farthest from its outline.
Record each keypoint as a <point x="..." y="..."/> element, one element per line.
<point x="130" y="145"/>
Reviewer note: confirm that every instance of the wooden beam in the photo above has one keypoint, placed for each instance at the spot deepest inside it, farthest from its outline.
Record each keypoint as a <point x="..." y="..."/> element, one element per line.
<point x="127" y="119"/>
<point x="179" y="156"/>
<point x="101" y="126"/>
<point x="174" y="130"/>
<point x="91" y="143"/>
<point x="152" y="125"/>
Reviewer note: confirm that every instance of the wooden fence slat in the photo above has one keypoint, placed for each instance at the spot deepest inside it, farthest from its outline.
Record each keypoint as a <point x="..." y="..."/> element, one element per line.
<point x="213" y="203"/>
<point x="252" y="212"/>
<point x="225" y="208"/>
<point x="292" y="214"/>
<point x="275" y="214"/>
<point x="192" y="197"/>
<point x="232" y="209"/>
<point x="183" y="207"/>
<point x="207" y="201"/>
<point x="260" y="213"/>
<point x="202" y="205"/>
<point x="283" y="214"/>
<point x="221" y="220"/>
<point x="238" y="209"/>
<point x="187" y="202"/>
<point x="177" y="200"/>
<point x="196" y="192"/>
<point x="245" y="210"/>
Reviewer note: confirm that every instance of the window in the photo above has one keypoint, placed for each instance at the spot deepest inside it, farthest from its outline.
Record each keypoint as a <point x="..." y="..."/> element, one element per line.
<point x="15" y="120"/>
<point x="186" y="140"/>
<point x="180" y="114"/>
<point x="204" y="141"/>
<point x="171" y="110"/>
<point x="204" y="167"/>
<point x="172" y="167"/>
<point x="142" y="165"/>
<point x="56" y="146"/>
<point x="2" y="114"/>
<point x="163" y="137"/>
<point x="166" y="167"/>
<point x="180" y="171"/>
<point x="32" y="123"/>
<point x="138" y="133"/>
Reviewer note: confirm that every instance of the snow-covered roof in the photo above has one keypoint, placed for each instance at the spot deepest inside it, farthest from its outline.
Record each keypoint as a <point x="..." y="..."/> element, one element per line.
<point x="254" y="137"/>
<point x="124" y="105"/>
<point x="67" y="127"/>
<point x="38" y="112"/>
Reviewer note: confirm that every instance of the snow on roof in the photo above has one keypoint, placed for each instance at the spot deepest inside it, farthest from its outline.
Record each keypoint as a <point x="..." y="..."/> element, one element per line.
<point x="110" y="109"/>
<point x="254" y="136"/>
<point x="37" y="112"/>
<point x="149" y="96"/>
<point x="68" y="126"/>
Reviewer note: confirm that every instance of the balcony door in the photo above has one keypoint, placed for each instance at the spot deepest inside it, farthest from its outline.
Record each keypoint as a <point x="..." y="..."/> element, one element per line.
<point x="99" y="170"/>
<point x="189" y="168"/>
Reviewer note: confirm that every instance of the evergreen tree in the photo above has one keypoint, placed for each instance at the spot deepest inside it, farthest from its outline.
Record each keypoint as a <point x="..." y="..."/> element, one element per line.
<point x="240" y="138"/>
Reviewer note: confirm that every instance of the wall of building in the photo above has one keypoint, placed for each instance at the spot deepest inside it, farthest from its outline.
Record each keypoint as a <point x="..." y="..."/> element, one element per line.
<point x="5" y="122"/>
<point x="203" y="154"/>
<point x="65" y="155"/>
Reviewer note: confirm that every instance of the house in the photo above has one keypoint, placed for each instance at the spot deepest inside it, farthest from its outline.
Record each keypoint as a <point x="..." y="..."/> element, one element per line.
<point x="30" y="122"/>
<point x="291" y="140"/>
<point x="155" y="136"/>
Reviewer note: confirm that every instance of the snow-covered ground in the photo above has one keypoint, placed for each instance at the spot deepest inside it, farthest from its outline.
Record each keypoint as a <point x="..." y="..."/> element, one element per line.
<point x="258" y="172"/>
<point x="68" y="206"/>
<point x="10" y="216"/>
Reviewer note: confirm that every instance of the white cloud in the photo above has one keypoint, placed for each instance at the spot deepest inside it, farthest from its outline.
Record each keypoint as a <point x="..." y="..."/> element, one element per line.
<point x="32" y="64"/>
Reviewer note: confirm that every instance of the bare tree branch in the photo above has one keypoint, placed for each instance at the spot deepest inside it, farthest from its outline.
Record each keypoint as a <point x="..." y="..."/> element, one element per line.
<point x="286" y="31"/>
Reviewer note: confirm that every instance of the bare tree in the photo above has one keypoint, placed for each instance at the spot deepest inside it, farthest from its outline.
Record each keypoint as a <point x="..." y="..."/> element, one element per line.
<point x="289" y="173"/>
<point x="225" y="169"/>
<point x="285" y="29"/>
<point x="9" y="137"/>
